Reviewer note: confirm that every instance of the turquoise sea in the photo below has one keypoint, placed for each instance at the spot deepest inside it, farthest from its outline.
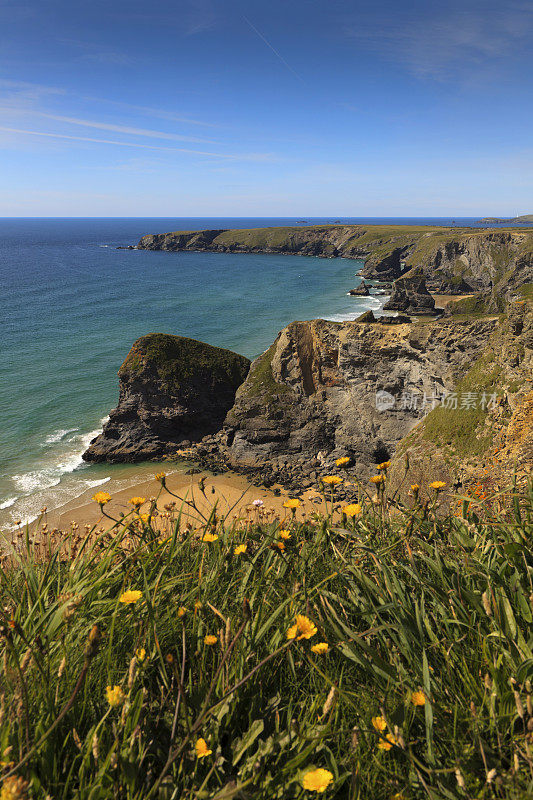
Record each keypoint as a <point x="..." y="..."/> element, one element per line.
<point x="74" y="304"/>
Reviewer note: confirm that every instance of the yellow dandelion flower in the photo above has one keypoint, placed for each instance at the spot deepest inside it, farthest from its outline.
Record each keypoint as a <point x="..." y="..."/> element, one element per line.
<point x="304" y="628"/>
<point x="201" y="749"/>
<point x="415" y="488"/>
<point x="140" y="654"/>
<point x="130" y="597"/>
<point x="209" y="537"/>
<point x="115" y="696"/>
<point x="280" y="546"/>
<point x="387" y="742"/>
<point x="160" y="476"/>
<point x="331" y="480"/>
<point x="384" y="465"/>
<point x="14" y="787"/>
<point x="342" y="462"/>
<point x="101" y="498"/>
<point x="284" y="534"/>
<point x="241" y="548"/>
<point x="291" y="503"/>
<point x="198" y="605"/>
<point x="317" y="780"/>
<point x="182" y="611"/>
<point x="418" y="699"/>
<point x="379" y="723"/>
<point x="321" y="648"/>
<point x="438" y="485"/>
<point x="137" y="502"/>
<point x="144" y="517"/>
<point x="353" y="510"/>
<point x="377" y="479"/>
<point x="210" y="639"/>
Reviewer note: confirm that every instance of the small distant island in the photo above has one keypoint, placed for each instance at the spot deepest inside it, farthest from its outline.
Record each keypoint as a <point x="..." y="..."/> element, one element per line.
<point x="524" y="218"/>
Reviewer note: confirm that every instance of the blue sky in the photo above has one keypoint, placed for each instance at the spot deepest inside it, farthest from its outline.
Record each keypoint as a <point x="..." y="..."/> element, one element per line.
<point x="211" y="108"/>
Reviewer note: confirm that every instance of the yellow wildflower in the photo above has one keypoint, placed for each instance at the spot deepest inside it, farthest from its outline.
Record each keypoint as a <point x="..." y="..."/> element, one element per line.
<point x="198" y="605"/>
<point x="379" y="723"/>
<point x="201" y="749"/>
<point x="140" y="654"/>
<point x="302" y="629"/>
<point x="342" y="462"/>
<point x="438" y="485"/>
<point x="415" y="488"/>
<point x="209" y="537"/>
<point x="387" y="742"/>
<point x="317" y="780"/>
<point x="130" y="597"/>
<point x="280" y="546"/>
<point x="284" y="534"/>
<point x="241" y="548"/>
<point x="331" y="480"/>
<point x="182" y="611"/>
<point x="160" y="476"/>
<point x="377" y="479"/>
<point x="210" y="639"/>
<point x="291" y="503"/>
<point x="321" y="648"/>
<point x="115" y="696"/>
<point x="137" y="501"/>
<point x="384" y="465"/>
<point x="353" y="510"/>
<point x="144" y="517"/>
<point x="418" y="699"/>
<point x="14" y="788"/>
<point x="101" y="498"/>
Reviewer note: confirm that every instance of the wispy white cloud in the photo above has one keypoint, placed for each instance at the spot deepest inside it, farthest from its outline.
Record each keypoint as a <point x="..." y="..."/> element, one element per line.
<point x="108" y="126"/>
<point x="450" y="41"/>
<point x="162" y="148"/>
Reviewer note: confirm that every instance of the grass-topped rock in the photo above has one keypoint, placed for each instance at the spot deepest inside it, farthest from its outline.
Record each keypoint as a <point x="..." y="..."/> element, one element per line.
<point x="172" y="389"/>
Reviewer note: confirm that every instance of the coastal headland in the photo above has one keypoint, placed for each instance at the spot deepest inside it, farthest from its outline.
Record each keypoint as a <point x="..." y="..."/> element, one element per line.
<point x="443" y="386"/>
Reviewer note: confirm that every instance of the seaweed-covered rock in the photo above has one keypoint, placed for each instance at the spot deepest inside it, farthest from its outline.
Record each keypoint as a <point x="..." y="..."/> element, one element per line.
<point x="172" y="389"/>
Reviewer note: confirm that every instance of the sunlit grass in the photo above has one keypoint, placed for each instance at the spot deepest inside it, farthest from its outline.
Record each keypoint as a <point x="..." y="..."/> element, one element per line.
<point x="386" y="652"/>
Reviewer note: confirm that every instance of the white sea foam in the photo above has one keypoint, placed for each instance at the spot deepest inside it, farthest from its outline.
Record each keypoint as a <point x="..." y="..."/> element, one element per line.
<point x="8" y="503"/>
<point x="58" y="435"/>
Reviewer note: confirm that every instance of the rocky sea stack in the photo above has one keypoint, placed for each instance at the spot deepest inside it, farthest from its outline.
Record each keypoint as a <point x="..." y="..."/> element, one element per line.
<point x="172" y="390"/>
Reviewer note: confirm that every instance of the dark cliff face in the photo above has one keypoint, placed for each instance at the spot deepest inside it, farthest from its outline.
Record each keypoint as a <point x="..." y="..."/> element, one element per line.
<point x="171" y="389"/>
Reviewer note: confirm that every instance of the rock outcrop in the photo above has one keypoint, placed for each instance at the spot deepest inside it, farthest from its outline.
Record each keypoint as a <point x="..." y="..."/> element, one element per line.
<point x="345" y="389"/>
<point x="172" y="389"/>
<point x="482" y="434"/>
<point x="360" y="291"/>
<point x="410" y="295"/>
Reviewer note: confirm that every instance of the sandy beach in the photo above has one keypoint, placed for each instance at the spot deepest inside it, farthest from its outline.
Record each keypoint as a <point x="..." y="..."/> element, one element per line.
<point x="232" y="493"/>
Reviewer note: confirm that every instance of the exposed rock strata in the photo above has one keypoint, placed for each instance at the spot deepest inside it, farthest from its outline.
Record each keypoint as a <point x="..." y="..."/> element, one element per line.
<point x="171" y="389"/>
<point x="483" y="435"/>
<point x="315" y="389"/>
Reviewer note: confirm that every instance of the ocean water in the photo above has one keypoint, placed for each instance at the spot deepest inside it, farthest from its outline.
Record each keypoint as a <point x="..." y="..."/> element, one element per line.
<point x="74" y="304"/>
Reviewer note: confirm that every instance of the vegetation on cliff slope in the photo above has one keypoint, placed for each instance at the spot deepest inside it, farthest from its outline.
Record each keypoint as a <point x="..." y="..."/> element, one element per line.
<point x="177" y="360"/>
<point x="383" y="654"/>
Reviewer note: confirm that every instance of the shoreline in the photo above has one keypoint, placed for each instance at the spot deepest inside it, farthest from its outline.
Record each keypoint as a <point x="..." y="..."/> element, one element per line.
<point x="233" y="494"/>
